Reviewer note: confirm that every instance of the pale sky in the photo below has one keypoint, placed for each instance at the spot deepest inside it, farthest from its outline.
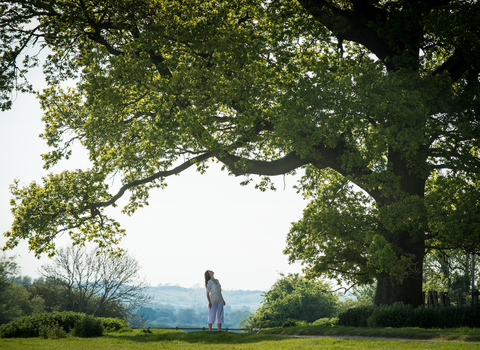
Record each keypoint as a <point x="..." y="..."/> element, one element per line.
<point x="198" y="222"/>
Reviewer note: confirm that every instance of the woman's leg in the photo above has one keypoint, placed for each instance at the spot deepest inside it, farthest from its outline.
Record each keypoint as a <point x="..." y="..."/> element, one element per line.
<point x="211" y="316"/>
<point x="220" y="316"/>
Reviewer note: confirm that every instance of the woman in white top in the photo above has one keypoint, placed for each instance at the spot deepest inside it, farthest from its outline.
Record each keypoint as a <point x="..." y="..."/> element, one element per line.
<point x="215" y="300"/>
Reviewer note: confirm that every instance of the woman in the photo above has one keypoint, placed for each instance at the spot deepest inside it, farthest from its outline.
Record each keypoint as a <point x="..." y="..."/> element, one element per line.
<point x="215" y="300"/>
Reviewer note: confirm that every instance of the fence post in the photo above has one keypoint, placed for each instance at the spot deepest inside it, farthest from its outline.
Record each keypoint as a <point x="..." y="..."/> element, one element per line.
<point x="459" y="303"/>
<point x="432" y="299"/>
<point x="443" y="302"/>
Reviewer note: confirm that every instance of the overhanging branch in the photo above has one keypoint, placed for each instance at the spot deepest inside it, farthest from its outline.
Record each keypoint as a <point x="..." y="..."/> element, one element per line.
<point x="280" y="166"/>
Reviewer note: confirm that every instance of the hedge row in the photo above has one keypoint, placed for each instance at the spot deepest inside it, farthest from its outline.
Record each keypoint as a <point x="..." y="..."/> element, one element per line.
<point x="400" y="315"/>
<point x="58" y="323"/>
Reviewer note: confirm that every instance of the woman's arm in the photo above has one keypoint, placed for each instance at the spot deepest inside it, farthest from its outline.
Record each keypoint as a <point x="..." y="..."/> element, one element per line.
<point x="208" y="295"/>
<point x="209" y="302"/>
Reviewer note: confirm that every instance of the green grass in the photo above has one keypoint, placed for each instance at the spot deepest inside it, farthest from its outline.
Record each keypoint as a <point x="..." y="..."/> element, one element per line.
<point x="162" y="339"/>
<point x="461" y="334"/>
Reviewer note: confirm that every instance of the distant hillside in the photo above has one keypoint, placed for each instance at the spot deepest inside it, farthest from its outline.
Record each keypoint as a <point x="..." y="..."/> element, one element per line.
<point x="175" y="306"/>
<point x="166" y="296"/>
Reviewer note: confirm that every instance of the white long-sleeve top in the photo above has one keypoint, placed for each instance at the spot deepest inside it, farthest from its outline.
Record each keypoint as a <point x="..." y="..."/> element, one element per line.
<point x="214" y="289"/>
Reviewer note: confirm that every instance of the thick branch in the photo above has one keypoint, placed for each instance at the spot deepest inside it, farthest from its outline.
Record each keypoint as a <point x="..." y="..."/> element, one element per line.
<point x="352" y="25"/>
<point x="280" y="166"/>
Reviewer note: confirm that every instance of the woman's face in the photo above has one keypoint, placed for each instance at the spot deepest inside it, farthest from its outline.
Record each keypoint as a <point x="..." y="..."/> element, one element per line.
<point x="211" y="274"/>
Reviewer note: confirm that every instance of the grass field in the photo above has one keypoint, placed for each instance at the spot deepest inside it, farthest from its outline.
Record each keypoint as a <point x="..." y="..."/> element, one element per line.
<point x="162" y="339"/>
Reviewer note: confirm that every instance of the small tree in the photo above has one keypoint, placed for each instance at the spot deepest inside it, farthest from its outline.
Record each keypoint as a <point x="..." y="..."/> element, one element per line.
<point x="86" y="281"/>
<point x="294" y="297"/>
<point x="14" y="299"/>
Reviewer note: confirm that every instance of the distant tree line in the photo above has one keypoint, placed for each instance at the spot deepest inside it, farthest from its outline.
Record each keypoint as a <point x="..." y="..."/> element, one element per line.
<point x="194" y="316"/>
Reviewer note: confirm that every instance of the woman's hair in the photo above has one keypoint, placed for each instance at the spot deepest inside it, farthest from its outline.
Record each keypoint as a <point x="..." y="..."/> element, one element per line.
<point x="207" y="277"/>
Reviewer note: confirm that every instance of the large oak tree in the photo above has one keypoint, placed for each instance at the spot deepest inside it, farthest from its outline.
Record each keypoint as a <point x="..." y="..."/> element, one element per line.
<point x="382" y="95"/>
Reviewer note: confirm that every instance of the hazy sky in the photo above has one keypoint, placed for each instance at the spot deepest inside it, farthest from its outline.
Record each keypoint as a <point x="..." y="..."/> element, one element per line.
<point x="198" y="222"/>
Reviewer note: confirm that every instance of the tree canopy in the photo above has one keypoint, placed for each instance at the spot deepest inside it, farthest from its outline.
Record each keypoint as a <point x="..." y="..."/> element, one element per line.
<point x="380" y="96"/>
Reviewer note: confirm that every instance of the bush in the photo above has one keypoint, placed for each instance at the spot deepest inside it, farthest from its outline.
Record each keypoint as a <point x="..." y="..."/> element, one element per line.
<point x="400" y="315"/>
<point x="356" y="317"/>
<point x="397" y="315"/>
<point x="88" y="327"/>
<point x="53" y="331"/>
<point x="29" y="326"/>
<point x="290" y="323"/>
<point x="125" y="330"/>
<point x="113" y="324"/>
<point x="326" y="322"/>
<point x="57" y="324"/>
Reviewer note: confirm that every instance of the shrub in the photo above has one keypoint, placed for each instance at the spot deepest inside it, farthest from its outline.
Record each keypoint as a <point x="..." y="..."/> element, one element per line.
<point x="125" y="330"/>
<point x="88" y="327"/>
<point x="52" y="331"/>
<point x="400" y="315"/>
<point x="113" y="324"/>
<point x="290" y="323"/>
<point x="57" y="324"/>
<point x="326" y="322"/>
<point x="356" y="317"/>
<point x="29" y="326"/>
<point x="396" y="315"/>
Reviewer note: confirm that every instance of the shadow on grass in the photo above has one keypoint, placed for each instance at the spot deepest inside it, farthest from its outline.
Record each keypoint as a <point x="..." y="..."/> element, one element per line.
<point x="194" y="337"/>
<point x="461" y="334"/>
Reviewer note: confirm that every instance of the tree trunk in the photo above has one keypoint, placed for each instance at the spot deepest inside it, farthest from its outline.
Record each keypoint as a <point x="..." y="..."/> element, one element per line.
<point x="408" y="213"/>
<point x="409" y="290"/>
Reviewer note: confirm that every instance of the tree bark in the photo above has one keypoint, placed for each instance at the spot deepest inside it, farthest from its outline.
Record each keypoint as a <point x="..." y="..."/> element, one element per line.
<point x="408" y="291"/>
<point x="411" y="219"/>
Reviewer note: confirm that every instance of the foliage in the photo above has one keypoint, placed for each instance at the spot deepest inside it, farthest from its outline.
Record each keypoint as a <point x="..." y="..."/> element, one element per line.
<point x="84" y="281"/>
<point x="326" y="322"/>
<point x="56" y="324"/>
<point x="293" y="298"/>
<point x="113" y="324"/>
<point x="15" y="301"/>
<point x="400" y="315"/>
<point x="88" y="327"/>
<point x="356" y="317"/>
<point x="449" y="271"/>
<point x="29" y="326"/>
<point x="51" y="331"/>
<point x="380" y="96"/>
<point x="360" y="296"/>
